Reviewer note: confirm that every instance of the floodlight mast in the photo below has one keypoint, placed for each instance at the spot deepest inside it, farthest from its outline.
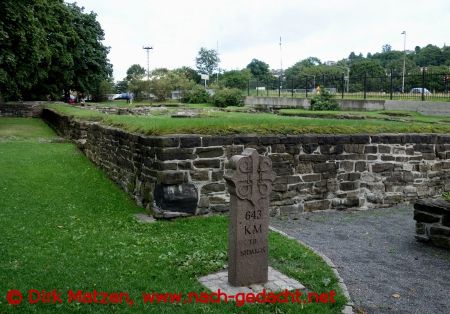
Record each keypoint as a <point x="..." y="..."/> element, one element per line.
<point x="148" y="60"/>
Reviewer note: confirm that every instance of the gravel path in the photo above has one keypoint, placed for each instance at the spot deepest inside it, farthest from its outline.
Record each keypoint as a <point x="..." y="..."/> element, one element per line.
<point x="385" y="269"/>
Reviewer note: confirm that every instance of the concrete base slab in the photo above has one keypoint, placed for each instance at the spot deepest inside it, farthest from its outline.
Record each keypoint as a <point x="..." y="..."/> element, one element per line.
<point x="144" y="218"/>
<point x="277" y="282"/>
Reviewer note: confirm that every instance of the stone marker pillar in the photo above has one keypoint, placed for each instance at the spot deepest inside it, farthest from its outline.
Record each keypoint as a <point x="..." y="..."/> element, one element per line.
<point x="249" y="177"/>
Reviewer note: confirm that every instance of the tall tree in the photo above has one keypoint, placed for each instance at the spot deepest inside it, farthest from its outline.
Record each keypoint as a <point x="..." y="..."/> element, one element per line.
<point x="207" y="61"/>
<point x="47" y="46"/>
<point x="429" y="55"/>
<point x="386" y="48"/>
<point x="135" y="72"/>
<point x="259" y="69"/>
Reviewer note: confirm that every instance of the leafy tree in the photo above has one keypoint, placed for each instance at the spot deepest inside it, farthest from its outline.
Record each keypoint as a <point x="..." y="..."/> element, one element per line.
<point x="121" y="86"/>
<point x="189" y="73"/>
<point x="103" y="89"/>
<point x="259" y="69"/>
<point x="207" y="61"/>
<point x="135" y="72"/>
<point x="429" y="55"/>
<point x="235" y="79"/>
<point x="361" y="69"/>
<point x="164" y="81"/>
<point x="48" y="46"/>
<point x="386" y="48"/>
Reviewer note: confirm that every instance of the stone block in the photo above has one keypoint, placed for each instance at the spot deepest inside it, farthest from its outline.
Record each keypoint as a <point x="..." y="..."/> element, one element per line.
<point x="421" y="216"/>
<point x="213" y="187"/>
<point x="245" y="139"/>
<point x="293" y="179"/>
<point x="421" y="228"/>
<point x="384" y="149"/>
<point x="312" y="157"/>
<point x="387" y="158"/>
<point x="190" y="141"/>
<point x="209" y="152"/>
<point x="216" y="175"/>
<point x="371" y="157"/>
<point x="174" y="153"/>
<point x="349" y="176"/>
<point x="278" y="148"/>
<point x="171" y="177"/>
<point x="348" y="186"/>
<point x="309" y="148"/>
<point x="283" y="168"/>
<point x="440" y="231"/>
<point x="331" y="149"/>
<point x="166" y="141"/>
<point x="360" y="166"/>
<point x="424" y="148"/>
<point x="216" y="141"/>
<point x="370" y="149"/>
<point x="184" y="165"/>
<point x="355" y="148"/>
<point x="176" y="198"/>
<point x="311" y="177"/>
<point x="304" y="167"/>
<point x="233" y="150"/>
<point x="347" y="166"/>
<point x="325" y="167"/>
<point x="268" y="140"/>
<point x="316" y="205"/>
<point x="162" y="165"/>
<point x="199" y="175"/>
<point x="207" y="163"/>
<point x="382" y="167"/>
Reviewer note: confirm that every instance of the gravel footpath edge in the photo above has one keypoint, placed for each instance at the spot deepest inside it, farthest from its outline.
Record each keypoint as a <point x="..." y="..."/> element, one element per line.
<point x="348" y="308"/>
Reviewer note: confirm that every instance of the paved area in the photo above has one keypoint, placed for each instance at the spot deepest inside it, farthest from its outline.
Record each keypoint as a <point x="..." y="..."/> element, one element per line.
<point x="385" y="269"/>
<point x="276" y="282"/>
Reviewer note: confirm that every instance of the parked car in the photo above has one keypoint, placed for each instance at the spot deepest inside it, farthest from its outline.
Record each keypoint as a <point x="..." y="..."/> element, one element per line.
<point x="121" y="96"/>
<point x="418" y="90"/>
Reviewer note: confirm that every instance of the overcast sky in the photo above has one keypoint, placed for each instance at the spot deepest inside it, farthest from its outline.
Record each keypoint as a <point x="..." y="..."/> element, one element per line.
<point x="247" y="29"/>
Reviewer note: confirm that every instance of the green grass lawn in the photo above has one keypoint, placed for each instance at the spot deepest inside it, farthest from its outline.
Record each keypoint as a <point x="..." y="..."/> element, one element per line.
<point x="221" y="122"/>
<point x="64" y="225"/>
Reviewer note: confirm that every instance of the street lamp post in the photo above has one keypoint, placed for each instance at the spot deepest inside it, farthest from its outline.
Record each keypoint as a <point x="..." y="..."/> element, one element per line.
<point x="404" y="61"/>
<point x="148" y="60"/>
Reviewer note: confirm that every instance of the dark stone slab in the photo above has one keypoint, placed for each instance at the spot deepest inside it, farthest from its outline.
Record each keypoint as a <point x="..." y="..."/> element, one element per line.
<point x="216" y="140"/>
<point x="190" y="141"/>
<point x="176" y="198"/>
<point x="207" y="163"/>
<point x="382" y="167"/>
<point x="174" y="153"/>
<point x="421" y="216"/>
<point x="325" y="167"/>
<point x="209" y="152"/>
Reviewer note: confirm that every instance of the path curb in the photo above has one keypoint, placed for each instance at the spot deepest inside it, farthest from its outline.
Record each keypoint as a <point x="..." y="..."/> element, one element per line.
<point x="348" y="308"/>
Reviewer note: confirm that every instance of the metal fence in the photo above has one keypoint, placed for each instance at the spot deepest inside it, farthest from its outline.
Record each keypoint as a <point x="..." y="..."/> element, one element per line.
<point x="413" y="86"/>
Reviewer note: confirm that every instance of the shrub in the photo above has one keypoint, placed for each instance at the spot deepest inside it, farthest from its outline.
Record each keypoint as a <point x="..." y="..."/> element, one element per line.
<point x="227" y="97"/>
<point x="196" y="95"/>
<point x="324" y="101"/>
<point x="446" y="196"/>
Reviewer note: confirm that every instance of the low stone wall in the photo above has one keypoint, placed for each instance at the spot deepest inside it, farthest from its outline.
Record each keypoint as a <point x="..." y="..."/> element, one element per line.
<point x="21" y="109"/>
<point x="184" y="173"/>
<point x="424" y="107"/>
<point x="433" y="221"/>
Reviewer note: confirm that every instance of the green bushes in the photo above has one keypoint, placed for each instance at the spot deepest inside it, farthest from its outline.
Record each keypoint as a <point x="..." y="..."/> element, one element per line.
<point x="324" y="100"/>
<point x="227" y="97"/>
<point x="197" y="95"/>
<point x="446" y="196"/>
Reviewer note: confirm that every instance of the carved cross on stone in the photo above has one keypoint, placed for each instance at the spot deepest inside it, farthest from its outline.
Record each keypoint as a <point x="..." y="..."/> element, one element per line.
<point x="249" y="177"/>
